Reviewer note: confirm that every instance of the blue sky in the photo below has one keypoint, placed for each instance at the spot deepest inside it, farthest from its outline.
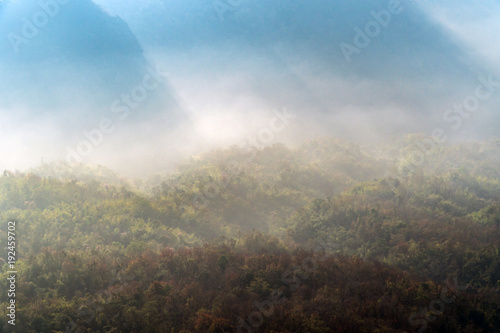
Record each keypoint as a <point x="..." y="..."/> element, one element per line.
<point x="475" y="24"/>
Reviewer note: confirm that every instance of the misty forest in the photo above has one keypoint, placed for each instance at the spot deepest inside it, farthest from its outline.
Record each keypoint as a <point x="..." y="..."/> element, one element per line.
<point x="286" y="166"/>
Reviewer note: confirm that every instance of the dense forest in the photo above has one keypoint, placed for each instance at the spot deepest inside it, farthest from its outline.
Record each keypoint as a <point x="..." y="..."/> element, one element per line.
<point x="326" y="236"/>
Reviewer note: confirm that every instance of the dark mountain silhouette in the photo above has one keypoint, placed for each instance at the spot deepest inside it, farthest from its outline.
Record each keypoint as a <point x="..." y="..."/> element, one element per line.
<point x="70" y="55"/>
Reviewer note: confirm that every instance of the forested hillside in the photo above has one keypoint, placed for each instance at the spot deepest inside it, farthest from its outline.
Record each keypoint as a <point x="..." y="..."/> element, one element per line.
<point x="326" y="236"/>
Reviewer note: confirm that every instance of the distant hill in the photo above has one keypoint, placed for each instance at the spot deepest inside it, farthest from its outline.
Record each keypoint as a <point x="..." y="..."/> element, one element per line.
<point x="64" y="171"/>
<point x="71" y="60"/>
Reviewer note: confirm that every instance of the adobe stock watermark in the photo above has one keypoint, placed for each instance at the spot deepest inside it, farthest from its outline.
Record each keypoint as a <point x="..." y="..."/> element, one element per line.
<point x="436" y="306"/>
<point x="31" y="27"/>
<point x="224" y="6"/>
<point x="293" y="278"/>
<point x="264" y="138"/>
<point x="454" y="117"/>
<point x="121" y="107"/>
<point x="372" y="29"/>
